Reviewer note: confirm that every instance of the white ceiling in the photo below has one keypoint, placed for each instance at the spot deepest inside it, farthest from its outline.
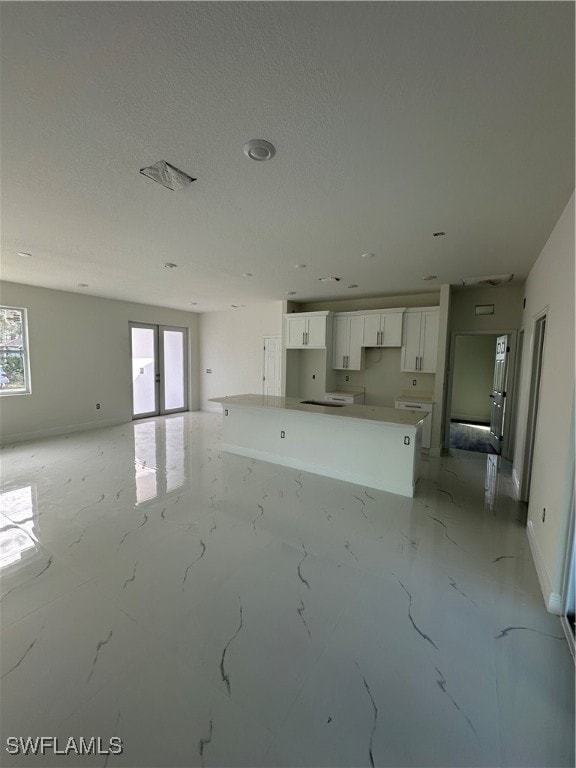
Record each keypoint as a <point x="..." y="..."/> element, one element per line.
<point x="391" y="120"/>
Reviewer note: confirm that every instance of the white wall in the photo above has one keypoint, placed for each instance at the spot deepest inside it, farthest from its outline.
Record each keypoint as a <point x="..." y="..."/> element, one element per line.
<point x="550" y="287"/>
<point x="507" y="300"/>
<point x="231" y="345"/>
<point x="80" y="356"/>
<point x="473" y="375"/>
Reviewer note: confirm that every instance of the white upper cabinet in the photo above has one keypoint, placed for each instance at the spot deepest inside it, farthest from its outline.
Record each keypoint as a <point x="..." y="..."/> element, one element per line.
<point x="383" y="328"/>
<point x="420" y="340"/>
<point x="347" y="347"/>
<point x="305" y="330"/>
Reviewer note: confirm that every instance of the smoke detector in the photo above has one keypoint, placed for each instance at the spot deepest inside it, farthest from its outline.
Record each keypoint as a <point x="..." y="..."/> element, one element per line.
<point x="489" y="280"/>
<point x="167" y="175"/>
<point x="259" y="149"/>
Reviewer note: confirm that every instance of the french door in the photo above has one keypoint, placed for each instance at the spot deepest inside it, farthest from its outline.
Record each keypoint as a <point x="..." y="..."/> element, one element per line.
<point x="159" y="369"/>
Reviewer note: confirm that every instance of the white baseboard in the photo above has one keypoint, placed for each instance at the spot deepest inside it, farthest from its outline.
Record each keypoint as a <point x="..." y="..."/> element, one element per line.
<point x="315" y="469"/>
<point x="553" y="600"/>
<point x="22" y="437"/>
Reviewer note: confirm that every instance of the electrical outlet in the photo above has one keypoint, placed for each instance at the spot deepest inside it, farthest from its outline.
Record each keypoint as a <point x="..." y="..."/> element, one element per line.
<point x="97" y="406"/>
<point x="282" y="433"/>
<point x="347" y="378"/>
<point x="406" y="440"/>
<point x="313" y="375"/>
<point x="544" y="514"/>
<point x="414" y="382"/>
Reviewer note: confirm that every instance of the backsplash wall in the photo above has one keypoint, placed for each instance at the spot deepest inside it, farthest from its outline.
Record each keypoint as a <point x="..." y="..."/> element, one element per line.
<point x="382" y="378"/>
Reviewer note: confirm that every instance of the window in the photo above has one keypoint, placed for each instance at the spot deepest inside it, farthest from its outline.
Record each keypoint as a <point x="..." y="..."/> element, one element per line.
<point x="14" y="363"/>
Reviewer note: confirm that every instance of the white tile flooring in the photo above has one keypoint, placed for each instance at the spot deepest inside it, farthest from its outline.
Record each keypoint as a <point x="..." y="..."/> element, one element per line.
<point x="214" y="610"/>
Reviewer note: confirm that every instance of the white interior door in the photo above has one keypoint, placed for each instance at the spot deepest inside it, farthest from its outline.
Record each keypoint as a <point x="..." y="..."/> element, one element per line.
<point x="271" y="368"/>
<point x="498" y="394"/>
<point x="159" y="369"/>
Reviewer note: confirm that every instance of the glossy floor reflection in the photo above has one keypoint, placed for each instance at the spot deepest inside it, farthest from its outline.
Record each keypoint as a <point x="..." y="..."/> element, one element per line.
<point x="215" y="610"/>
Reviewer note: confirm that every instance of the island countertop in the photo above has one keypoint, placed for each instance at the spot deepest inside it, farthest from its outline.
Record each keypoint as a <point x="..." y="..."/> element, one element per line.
<point x="382" y="414"/>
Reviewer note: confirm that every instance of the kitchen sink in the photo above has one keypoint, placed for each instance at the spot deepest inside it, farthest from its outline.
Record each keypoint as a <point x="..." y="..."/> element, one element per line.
<point x="322" y="402"/>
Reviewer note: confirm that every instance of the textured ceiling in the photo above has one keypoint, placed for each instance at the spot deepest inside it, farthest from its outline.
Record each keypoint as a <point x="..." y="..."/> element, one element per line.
<point x="391" y="120"/>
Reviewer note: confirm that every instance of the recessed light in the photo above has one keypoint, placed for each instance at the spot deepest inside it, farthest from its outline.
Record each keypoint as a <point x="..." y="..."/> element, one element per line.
<point x="300" y="266"/>
<point x="290" y="293"/>
<point x="234" y="306"/>
<point x="259" y="149"/>
<point x="167" y="175"/>
<point x="367" y="255"/>
<point x="247" y="274"/>
<point x="170" y="265"/>
<point x="193" y="303"/>
<point x="352" y="285"/>
<point x="438" y="234"/>
<point x="24" y="255"/>
<point x="329" y="279"/>
<point x="430" y="277"/>
<point x="82" y="285"/>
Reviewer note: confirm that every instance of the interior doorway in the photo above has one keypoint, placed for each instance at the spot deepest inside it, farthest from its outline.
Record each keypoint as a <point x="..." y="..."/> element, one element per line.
<point x="475" y="367"/>
<point x="159" y="369"/>
<point x="271" y="367"/>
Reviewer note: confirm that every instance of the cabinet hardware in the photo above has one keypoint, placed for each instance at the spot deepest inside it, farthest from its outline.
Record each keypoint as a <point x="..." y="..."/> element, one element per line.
<point x="303" y="335"/>
<point x="416" y="364"/>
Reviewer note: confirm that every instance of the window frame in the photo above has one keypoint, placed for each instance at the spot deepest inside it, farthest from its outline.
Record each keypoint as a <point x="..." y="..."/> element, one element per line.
<point x="25" y="355"/>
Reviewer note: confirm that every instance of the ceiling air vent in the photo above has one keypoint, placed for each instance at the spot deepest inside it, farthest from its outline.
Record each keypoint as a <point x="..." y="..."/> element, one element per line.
<point x="490" y="280"/>
<point x="167" y="175"/>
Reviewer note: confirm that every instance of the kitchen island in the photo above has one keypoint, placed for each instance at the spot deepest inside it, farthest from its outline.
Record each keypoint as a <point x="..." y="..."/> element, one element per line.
<point x="368" y="445"/>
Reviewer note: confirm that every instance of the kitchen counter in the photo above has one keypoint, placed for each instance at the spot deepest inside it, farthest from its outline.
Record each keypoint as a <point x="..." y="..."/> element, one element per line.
<point x="371" y="446"/>
<point x="416" y="397"/>
<point x="390" y="416"/>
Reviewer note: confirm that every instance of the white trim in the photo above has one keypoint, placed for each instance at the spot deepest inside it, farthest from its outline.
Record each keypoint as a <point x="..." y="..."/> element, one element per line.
<point x="55" y="431"/>
<point x="553" y="600"/>
<point x="515" y="484"/>
<point x="316" y="469"/>
<point x="569" y="635"/>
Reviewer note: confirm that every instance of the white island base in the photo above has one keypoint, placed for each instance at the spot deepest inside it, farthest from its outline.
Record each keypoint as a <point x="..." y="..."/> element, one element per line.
<point x="367" y="445"/>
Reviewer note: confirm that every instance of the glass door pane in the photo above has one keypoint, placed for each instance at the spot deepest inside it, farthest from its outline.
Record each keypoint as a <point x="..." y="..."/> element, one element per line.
<point x="144" y="386"/>
<point x="174" y="369"/>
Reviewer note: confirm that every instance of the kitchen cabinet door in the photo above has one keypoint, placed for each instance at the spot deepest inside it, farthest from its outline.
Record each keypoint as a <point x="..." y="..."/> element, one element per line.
<point x="316" y="330"/>
<point x="371" y="331"/>
<point x="355" y="334"/>
<point x="411" y="341"/>
<point x="295" y="331"/>
<point x="391" y="335"/>
<point x="420" y="341"/>
<point x="347" y="347"/>
<point x="429" y="341"/>
<point x="340" y="347"/>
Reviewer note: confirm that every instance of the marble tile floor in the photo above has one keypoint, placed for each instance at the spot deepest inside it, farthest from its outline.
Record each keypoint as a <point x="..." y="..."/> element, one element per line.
<point x="212" y="610"/>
